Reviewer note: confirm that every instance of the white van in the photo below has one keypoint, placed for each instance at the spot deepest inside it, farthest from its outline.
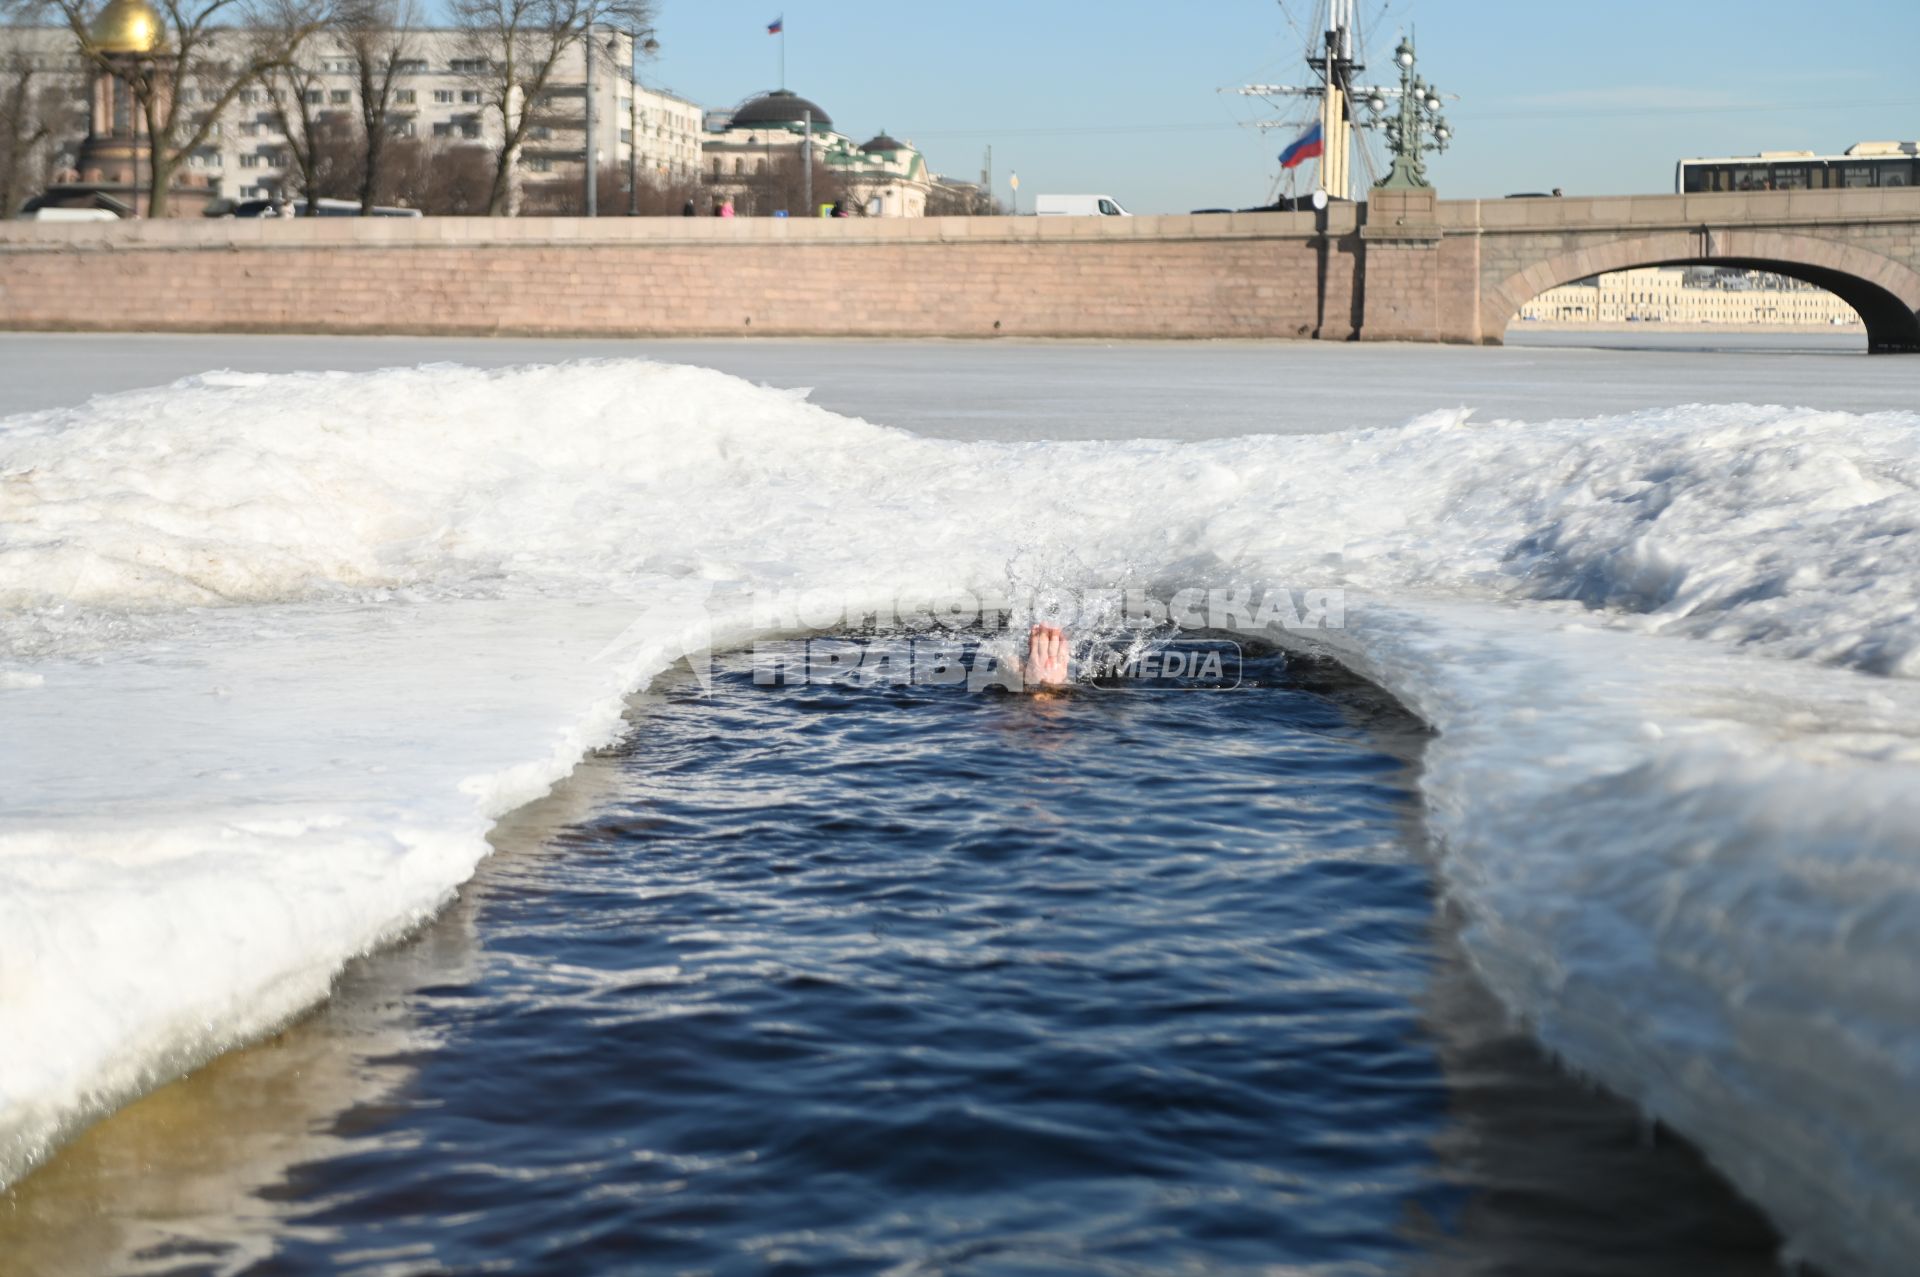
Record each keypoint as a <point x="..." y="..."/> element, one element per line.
<point x="1079" y="206"/>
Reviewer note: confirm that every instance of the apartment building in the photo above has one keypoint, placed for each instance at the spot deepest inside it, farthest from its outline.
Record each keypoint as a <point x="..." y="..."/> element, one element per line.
<point x="443" y="94"/>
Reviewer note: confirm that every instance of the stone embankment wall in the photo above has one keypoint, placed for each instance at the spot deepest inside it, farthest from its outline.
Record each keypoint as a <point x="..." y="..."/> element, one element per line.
<point x="1405" y="267"/>
<point x="1238" y="275"/>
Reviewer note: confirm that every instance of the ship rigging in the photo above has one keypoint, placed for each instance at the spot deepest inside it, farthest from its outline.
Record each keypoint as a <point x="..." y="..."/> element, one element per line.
<point x="1346" y="109"/>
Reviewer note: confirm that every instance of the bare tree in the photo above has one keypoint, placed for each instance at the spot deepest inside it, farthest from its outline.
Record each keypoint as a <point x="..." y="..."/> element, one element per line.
<point x="209" y="60"/>
<point x="960" y="199"/>
<point x="513" y="48"/>
<point x="39" y="116"/>
<point x="777" y="181"/>
<point x="567" y="196"/>
<point x="445" y="180"/>
<point x="380" y="39"/>
<point x="295" y="87"/>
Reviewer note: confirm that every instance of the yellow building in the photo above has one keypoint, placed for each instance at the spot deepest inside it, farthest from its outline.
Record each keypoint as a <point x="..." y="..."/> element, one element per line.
<point x="1690" y="295"/>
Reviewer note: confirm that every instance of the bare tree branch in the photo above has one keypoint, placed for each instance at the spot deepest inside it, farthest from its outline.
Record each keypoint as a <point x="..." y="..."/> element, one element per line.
<point x="37" y="111"/>
<point x="513" y="48"/>
<point x="214" y="49"/>
<point x="380" y="39"/>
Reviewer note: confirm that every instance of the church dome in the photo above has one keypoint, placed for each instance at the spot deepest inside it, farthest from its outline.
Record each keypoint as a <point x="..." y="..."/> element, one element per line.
<point x="778" y="108"/>
<point x="128" y="26"/>
<point x="883" y="143"/>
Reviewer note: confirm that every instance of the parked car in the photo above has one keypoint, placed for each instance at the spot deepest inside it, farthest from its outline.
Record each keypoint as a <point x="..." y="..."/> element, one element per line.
<point x="69" y="215"/>
<point x="328" y="208"/>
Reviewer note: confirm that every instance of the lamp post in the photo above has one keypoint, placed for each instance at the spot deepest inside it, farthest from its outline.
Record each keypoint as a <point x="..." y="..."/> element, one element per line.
<point x="1415" y="129"/>
<point x="638" y="42"/>
<point x="589" y="51"/>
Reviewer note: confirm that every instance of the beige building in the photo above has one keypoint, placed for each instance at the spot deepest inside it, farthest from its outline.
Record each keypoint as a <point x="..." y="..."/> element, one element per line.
<point x="654" y="134"/>
<point x="1690" y="295"/>
<point x="752" y="152"/>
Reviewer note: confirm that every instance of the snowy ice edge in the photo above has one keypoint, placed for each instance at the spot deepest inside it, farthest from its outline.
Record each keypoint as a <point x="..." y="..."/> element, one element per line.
<point x="1661" y="848"/>
<point x="1716" y="927"/>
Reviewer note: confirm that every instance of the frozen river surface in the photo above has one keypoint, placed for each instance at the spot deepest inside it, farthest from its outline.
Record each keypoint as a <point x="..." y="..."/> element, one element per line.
<point x="1076" y="390"/>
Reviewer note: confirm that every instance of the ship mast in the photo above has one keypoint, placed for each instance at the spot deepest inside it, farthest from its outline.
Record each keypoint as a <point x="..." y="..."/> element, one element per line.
<point x="1336" y="67"/>
<point x="1334" y="58"/>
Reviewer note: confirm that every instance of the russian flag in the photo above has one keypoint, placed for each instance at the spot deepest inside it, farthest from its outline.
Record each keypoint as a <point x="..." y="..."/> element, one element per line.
<point x="1310" y="145"/>
<point x="778" y="25"/>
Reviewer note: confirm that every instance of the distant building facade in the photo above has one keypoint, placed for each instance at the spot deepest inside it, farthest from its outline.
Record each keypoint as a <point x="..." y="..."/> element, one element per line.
<point x="440" y="96"/>
<point x="753" y="153"/>
<point x="1690" y="295"/>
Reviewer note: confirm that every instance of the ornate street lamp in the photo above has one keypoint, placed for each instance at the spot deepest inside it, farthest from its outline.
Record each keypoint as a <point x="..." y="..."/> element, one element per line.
<point x="1415" y="129"/>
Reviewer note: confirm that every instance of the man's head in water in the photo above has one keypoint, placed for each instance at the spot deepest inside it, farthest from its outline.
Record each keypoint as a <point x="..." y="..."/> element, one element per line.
<point x="1046" y="657"/>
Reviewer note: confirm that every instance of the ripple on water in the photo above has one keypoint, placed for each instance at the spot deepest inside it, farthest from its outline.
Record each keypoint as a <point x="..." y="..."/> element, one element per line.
<point x="866" y="980"/>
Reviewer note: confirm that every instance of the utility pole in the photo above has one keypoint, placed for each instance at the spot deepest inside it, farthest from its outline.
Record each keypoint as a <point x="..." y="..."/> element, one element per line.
<point x="593" y="169"/>
<point x="986" y="181"/>
<point x="806" y="159"/>
<point x="638" y="42"/>
<point x="633" y="128"/>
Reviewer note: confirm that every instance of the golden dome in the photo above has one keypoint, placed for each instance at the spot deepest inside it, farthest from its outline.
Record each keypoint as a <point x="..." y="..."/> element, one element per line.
<point x="128" y="26"/>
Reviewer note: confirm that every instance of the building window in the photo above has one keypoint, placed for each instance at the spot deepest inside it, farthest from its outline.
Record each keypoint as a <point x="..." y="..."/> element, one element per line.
<point x="443" y="97"/>
<point x="470" y="131"/>
<point x="411" y="66"/>
<point x="470" y="97"/>
<point x="405" y="97"/>
<point x="341" y="97"/>
<point x="443" y="130"/>
<point x="250" y="161"/>
<point x="314" y="97"/>
<point x="540" y="164"/>
<point x="468" y="66"/>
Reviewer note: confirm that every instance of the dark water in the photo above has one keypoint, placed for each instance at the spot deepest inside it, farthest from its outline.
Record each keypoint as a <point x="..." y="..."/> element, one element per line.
<point x="912" y="980"/>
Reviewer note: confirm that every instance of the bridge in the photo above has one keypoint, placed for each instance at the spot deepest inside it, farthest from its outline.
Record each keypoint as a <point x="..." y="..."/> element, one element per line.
<point x="1460" y="270"/>
<point x="1405" y="267"/>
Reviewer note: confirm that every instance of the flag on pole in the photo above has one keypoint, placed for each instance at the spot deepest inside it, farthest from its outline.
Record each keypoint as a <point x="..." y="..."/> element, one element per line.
<point x="1308" y="146"/>
<point x="778" y="25"/>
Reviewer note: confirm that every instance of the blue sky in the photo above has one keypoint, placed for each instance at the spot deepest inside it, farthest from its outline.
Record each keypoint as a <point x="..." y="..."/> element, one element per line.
<point x="1119" y="97"/>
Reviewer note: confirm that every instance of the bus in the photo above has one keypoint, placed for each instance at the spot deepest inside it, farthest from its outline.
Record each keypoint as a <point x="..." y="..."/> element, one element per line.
<point x="1865" y="165"/>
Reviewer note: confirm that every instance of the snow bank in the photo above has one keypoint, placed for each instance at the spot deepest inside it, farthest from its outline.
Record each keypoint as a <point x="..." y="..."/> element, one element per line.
<point x="278" y="649"/>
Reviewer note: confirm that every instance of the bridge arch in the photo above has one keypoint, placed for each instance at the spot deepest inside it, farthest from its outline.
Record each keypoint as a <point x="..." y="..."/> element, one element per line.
<point x="1886" y="293"/>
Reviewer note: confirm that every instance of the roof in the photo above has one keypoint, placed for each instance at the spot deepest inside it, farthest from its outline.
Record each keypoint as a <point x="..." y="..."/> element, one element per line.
<point x="884" y="143"/>
<point x="780" y="107"/>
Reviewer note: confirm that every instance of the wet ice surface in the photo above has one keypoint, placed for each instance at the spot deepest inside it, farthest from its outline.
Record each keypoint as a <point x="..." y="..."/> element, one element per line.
<point x="1076" y="390"/>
